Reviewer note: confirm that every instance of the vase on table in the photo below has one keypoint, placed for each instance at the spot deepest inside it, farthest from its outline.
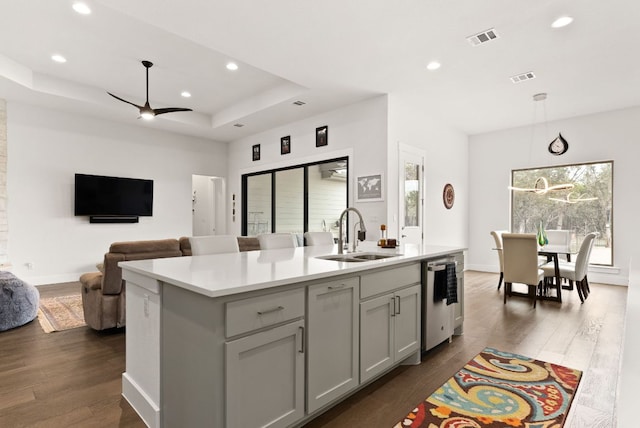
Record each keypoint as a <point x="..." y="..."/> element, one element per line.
<point x="542" y="236"/>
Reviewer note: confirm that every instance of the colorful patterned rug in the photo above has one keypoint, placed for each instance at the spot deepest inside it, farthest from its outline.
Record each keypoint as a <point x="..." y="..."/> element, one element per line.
<point x="61" y="313"/>
<point x="499" y="389"/>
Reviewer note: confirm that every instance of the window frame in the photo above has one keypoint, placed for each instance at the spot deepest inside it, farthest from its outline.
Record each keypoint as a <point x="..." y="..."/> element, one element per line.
<point x="568" y="165"/>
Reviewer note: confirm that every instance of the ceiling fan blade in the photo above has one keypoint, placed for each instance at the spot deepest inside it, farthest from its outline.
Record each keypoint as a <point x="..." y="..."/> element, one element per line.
<point x="146" y="111"/>
<point x="124" y="101"/>
<point x="158" y="111"/>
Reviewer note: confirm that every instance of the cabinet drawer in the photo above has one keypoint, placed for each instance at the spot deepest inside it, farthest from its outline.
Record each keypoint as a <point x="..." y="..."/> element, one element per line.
<point x="254" y="313"/>
<point x="388" y="280"/>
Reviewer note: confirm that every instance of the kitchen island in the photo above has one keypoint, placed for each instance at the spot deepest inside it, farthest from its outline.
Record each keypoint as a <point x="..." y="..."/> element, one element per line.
<point x="272" y="337"/>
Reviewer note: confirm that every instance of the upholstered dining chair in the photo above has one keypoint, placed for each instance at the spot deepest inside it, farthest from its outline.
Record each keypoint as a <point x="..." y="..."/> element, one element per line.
<point x="560" y="239"/>
<point x="213" y="244"/>
<point x="497" y="236"/>
<point x="520" y="258"/>
<point x="576" y="271"/>
<point x="318" y="238"/>
<point x="272" y="241"/>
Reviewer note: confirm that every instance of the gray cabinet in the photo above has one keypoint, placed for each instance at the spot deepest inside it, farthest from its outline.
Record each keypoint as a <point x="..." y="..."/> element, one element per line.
<point x="332" y="341"/>
<point x="389" y="330"/>
<point x="265" y="378"/>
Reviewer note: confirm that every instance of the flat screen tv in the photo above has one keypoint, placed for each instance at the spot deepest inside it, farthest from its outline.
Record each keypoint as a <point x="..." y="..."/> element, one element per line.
<point x="97" y="195"/>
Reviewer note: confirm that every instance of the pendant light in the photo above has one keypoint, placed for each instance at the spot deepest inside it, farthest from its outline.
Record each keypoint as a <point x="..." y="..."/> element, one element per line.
<point x="559" y="146"/>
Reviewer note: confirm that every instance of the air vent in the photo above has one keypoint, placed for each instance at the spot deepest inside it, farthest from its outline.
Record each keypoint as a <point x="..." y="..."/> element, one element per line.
<point x="522" y="77"/>
<point x="238" y="125"/>
<point x="299" y="103"/>
<point x="483" y="37"/>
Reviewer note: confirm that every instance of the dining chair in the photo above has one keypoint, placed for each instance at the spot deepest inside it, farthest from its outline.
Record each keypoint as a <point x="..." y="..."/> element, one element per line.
<point x="272" y="241"/>
<point x="520" y="258"/>
<point x="560" y="239"/>
<point x="318" y="238"/>
<point x="497" y="236"/>
<point x="576" y="271"/>
<point x="213" y="244"/>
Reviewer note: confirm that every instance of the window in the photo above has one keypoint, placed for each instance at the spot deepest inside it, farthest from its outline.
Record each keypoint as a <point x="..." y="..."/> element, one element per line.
<point x="296" y="199"/>
<point x="577" y="198"/>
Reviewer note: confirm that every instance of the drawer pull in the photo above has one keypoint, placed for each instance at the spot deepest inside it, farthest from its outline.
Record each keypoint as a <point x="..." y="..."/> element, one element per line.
<point x="268" y="311"/>
<point x="337" y="287"/>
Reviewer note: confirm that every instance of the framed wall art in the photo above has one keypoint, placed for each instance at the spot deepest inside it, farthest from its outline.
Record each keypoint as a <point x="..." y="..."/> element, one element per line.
<point x="322" y="136"/>
<point x="285" y="145"/>
<point x="448" y="196"/>
<point x="255" y="152"/>
<point x="369" y="188"/>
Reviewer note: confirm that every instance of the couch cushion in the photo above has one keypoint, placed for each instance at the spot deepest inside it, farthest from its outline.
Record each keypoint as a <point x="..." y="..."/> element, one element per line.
<point x="91" y="280"/>
<point x="153" y="246"/>
<point x="248" y="243"/>
<point x="185" y="246"/>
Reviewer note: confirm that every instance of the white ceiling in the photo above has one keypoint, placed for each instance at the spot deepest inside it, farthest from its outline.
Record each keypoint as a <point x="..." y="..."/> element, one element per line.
<point x="327" y="54"/>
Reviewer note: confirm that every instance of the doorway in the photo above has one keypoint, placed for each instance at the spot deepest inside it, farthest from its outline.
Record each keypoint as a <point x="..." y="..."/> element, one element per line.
<point x="208" y="205"/>
<point x="411" y="206"/>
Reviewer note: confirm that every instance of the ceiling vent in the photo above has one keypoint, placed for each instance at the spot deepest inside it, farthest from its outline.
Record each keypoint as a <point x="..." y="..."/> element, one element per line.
<point x="522" y="77"/>
<point x="238" y="125"/>
<point x="299" y="103"/>
<point x="483" y="37"/>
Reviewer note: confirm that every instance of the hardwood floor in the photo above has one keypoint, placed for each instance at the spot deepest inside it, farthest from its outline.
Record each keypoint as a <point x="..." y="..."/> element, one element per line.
<point x="72" y="378"/>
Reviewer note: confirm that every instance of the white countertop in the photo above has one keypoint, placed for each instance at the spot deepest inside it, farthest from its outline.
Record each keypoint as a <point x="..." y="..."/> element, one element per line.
<point x="232" y="273"/>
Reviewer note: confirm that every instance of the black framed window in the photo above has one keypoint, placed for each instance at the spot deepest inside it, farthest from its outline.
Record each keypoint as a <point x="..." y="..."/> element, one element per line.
<point x="295" y="199"/>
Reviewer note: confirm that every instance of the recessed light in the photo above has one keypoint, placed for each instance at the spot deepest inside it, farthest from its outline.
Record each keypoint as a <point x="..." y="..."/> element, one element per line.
<point x="433" y="65"/>
<point x="186" y="94"/>
<point x="58" y="58"/>
<point x="563" y="21"/>
<point x="81" y="8"/>
<point x="232" y="66"/>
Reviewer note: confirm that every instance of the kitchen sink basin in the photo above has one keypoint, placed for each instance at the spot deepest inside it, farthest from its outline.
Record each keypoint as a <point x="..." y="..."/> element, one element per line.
<point x="373" y="256"/>
<point x="357" y="257"/>
<point x="340" y="258"/>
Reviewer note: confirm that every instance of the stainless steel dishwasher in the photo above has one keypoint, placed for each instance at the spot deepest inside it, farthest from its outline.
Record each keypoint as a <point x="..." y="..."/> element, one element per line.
<point x="437" y="316"/>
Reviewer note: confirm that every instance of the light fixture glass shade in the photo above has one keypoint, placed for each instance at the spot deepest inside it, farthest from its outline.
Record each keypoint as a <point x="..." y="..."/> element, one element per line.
<point x="147" y="115"/>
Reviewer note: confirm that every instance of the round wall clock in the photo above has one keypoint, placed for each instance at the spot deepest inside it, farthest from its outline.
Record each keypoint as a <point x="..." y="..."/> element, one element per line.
<point x="448" y="196"/>
<point x="558" y="146"/>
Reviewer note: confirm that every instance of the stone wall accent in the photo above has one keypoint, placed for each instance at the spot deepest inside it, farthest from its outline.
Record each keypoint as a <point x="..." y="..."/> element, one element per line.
<point x="4" y="223"/>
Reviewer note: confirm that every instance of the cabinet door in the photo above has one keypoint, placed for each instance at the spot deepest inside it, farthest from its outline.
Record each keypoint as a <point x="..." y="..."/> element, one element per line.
<point x="333" y="337"/>
<point x="265" y="378"/>
<point x="407" y="321"/>
<point x="376" y="336"/>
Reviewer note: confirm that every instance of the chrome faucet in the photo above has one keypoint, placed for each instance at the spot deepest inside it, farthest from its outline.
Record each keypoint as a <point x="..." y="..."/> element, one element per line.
<point x="361" y="234"/>
<point x="354" y="246"/>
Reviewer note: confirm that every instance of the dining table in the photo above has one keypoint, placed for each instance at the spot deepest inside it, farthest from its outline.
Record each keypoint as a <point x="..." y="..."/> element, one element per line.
<point x="553" y="253"/>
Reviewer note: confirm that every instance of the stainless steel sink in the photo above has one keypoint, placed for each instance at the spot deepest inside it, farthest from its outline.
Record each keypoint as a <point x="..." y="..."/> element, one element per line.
<point x="357" y="257"/>
<point x="373" y="256"/>
<point x="340" y="258"/>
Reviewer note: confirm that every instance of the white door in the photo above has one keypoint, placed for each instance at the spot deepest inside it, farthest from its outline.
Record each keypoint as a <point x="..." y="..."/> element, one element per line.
<point x="411" y="204"/>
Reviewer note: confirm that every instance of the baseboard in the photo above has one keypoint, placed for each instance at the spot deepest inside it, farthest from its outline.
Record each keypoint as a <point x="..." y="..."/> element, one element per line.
<point x="597" y="274"/>
<point x="141" y="402"/>
<point x="50" y="279"/>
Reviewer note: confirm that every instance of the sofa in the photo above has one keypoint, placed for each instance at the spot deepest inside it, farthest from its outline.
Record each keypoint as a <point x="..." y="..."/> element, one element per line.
<point x="103" y="292"/>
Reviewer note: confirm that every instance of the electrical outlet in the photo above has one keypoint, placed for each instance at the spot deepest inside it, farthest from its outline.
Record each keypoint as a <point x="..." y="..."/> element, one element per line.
<point x="146" y="305"/>
<point x="29" y="265"/>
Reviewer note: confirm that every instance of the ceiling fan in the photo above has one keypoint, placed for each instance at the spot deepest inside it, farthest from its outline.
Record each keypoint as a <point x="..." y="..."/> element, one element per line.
<point x="146" y="112"/>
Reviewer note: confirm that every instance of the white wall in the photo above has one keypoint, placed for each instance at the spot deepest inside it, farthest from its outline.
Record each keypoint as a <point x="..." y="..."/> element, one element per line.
<point x="358" y="131"/>
<point x="606" y="136"/>
<point x="413" y="122"/>
<point x="46" y="148"/>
